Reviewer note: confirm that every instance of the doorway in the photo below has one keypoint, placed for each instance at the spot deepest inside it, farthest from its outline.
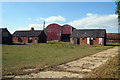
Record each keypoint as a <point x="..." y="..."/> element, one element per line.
<point x="91" y="41"/>
<point x="100" y="41"/>
<point x="35" y="39"/>
<point x="78" y="40"/>
<point x="29" y="40"/>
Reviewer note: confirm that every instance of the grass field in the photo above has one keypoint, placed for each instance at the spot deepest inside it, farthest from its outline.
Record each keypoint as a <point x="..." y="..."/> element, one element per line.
<point x="17" y="57"/>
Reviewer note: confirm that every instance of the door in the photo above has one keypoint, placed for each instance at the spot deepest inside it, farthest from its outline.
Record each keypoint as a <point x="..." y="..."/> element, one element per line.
<point x="91" y="41"/>
<point x="35" y="39"/>
<point x="18" y="39"/>
<point x="88" y="40"/>
<point x="78" y="40"/>
<point x="29" y="39"/>
<point x="100" y="41"/>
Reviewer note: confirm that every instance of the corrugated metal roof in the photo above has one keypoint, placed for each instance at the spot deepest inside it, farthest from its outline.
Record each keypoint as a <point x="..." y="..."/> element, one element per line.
<point x="89" y="33"/>
<point x="27" y="33"/>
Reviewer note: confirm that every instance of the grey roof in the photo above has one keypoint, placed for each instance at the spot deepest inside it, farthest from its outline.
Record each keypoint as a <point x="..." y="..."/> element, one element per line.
<point x="27" y="33"/>
<point x="3" y="29"/>
<point x="89" y="33"/>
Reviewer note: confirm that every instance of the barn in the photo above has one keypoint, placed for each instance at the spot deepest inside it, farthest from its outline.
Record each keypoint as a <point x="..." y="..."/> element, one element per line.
<point x="5" y="36"/>
<point x="88" y="37"/>
<point x="113" y="37"/>
<point x="53" y="32"/>
<point x="29" y="36"/>
<point x="66" y="32"/>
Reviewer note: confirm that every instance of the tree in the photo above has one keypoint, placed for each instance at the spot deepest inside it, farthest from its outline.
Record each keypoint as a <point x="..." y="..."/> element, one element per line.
<point x="32" y="28"/>
<point x="118" y="10"/>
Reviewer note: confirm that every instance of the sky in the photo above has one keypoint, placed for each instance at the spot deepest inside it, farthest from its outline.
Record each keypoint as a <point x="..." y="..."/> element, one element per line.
<point x="81" y="15"/>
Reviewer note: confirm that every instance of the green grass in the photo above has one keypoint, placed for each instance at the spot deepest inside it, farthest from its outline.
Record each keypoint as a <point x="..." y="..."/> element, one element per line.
<point x="17" y="57"/>
<point x="113" y="44"/>
<point x="108" y="70"/>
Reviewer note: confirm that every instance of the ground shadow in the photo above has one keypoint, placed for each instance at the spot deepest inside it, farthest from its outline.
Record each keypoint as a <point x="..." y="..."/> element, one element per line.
<point x="112" y="45"/>
<point x="17" y="44"/>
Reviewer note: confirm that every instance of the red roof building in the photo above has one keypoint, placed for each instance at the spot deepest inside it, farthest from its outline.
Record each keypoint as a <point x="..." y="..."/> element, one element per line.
<point x="56" y="32"/>
<point x="53" y="32"/>
<point x="113" y="37"/>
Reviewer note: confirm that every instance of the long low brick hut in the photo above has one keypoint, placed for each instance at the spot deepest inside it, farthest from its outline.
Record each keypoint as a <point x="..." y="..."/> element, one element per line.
<point x="88" y="37"/>
<point x="30" y="36"/>
<point x="113" y="37"/>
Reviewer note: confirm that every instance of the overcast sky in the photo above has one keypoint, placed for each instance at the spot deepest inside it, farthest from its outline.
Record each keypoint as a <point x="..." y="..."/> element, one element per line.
<point x="81" y="15"/>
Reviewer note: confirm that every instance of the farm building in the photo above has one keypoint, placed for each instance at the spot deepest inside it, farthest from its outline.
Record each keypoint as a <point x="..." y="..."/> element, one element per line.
<point x="56" y="32"/>
<point x="5" y="36"/>
<point x="53" y="32"/>
<point x="113" y="37"/>
<point x="88" y="37"/>
<point x="66" y="32"/>
<point x="29" y="36"/>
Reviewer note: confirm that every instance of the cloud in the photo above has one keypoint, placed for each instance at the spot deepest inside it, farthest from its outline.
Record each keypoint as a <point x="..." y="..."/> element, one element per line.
<point x="29" y="19"/>
<point x="91" y="21"/>
<point x="89" y="14"/>
<point x="55" y="19"/>
<point x="40" y="18"/>
<point x="36" y="26"/>
<point x="52" y="19"/>
<point x="96" y="21"/>
<point x="40" y="26"/>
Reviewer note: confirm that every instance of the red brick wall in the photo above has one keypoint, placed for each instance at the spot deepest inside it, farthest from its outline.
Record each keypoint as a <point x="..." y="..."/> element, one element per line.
<point x="71" y="41"/>
<point x="15" y="39"/>
<point x="83" y="42"/>
<point x="103" y="41"/>
<point x="96" y="41"/>
<point x="25" y="40"/>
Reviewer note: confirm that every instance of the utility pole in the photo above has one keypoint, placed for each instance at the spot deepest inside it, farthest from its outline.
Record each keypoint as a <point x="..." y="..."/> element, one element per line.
<point x="44" y="25"/>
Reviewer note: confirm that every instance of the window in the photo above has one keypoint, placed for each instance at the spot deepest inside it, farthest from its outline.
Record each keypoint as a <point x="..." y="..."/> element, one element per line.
<point x="24" y="37"/>
<point x="94" y="38"/>
<point x="35" y="38"/>
<point x="21" y="37"/>
<point x="83" y="38"/>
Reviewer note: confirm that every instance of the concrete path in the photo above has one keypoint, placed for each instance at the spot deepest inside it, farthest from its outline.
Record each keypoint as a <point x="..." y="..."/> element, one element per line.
<point x="78" y="68"/>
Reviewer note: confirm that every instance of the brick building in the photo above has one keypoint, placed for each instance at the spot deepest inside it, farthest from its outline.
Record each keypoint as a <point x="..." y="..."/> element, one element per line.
<point x="29" y="36"/>
<point x="113" y="37"/>
<point x="88" y="37"/>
